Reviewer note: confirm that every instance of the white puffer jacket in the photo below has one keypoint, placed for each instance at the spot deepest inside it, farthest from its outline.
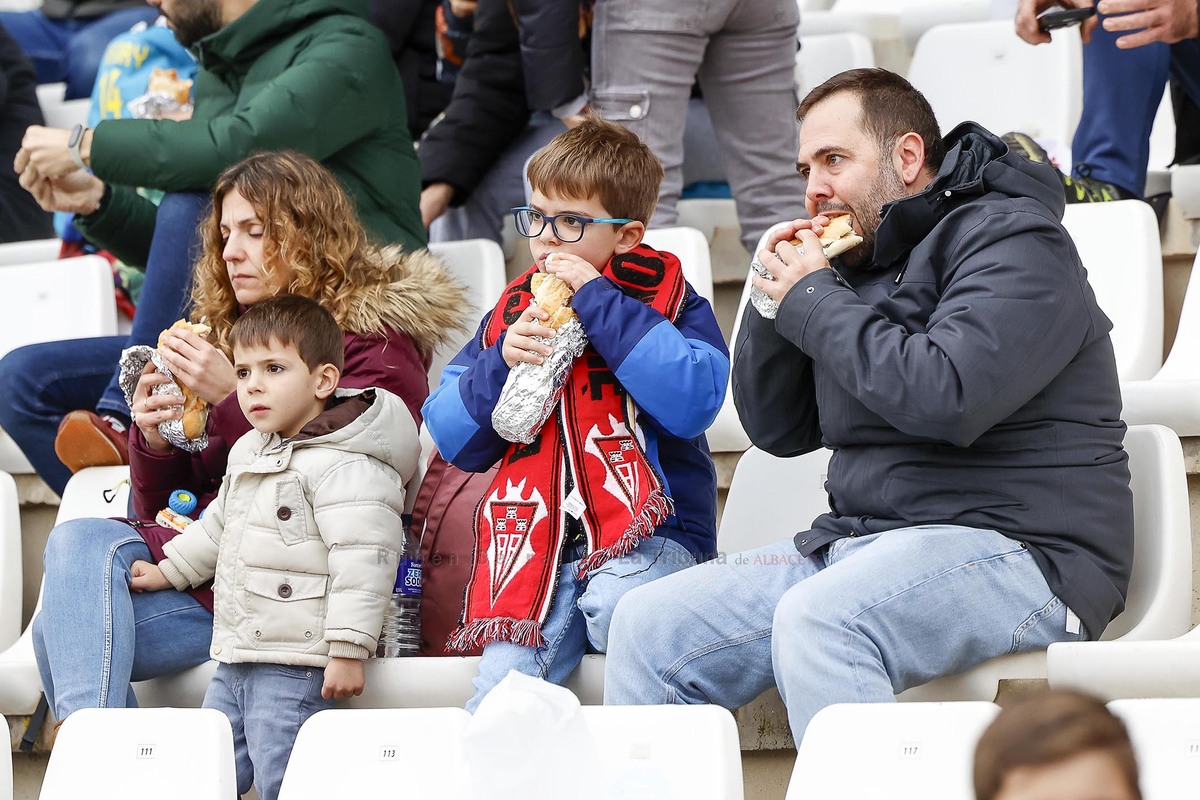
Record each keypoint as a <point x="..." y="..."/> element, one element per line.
<point x="304" y="539"/>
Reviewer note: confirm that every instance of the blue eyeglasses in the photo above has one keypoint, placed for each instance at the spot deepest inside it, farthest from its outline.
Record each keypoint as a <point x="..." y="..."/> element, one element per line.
<point x="567" y="228"/>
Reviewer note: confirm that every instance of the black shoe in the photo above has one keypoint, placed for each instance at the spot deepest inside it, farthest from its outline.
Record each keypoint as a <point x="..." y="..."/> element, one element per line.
<point x="1079" y="188"/>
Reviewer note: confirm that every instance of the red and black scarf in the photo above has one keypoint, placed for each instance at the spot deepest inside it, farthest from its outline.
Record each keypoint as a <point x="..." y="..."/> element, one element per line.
<point x="592" y="441"/>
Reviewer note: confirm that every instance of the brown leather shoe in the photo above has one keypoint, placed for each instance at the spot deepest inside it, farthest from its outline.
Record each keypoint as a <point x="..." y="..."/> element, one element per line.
<point x="87" y="440"/>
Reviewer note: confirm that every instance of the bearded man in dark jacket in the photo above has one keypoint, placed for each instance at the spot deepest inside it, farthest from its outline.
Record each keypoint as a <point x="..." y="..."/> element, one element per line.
<point x="958" y="366"/>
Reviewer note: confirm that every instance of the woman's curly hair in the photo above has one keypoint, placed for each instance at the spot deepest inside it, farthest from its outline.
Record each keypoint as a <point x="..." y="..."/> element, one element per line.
<point x="309" y="224"/>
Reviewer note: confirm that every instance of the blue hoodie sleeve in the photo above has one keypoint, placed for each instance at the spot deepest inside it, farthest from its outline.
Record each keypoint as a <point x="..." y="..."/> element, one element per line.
<point x="675" y="373"/>
<point x="458" y="413"/>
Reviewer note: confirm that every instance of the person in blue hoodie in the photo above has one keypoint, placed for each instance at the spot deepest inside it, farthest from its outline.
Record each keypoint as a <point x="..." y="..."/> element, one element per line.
<point x="959" y="368"/>
<point x="617" y="488"/>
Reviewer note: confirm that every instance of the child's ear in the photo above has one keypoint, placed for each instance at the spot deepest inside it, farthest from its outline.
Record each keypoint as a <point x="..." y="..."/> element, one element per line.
<point x="631" y="234"/>
<point x="327" y="380"/>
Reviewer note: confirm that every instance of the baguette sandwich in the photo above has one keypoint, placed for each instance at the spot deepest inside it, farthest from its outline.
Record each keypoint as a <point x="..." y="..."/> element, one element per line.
<point x="195" y="408"/>
<point x="836" y="238"/>
<point x="553" y="295"/>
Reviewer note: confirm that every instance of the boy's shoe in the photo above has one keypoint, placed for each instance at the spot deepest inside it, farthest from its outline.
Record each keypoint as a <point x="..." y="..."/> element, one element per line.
<point x="1081" y="188"/>
<point x="86" y="439"/>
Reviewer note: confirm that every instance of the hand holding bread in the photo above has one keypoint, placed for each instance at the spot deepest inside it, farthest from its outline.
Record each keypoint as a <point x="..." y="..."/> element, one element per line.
<point x="195" y="407"/>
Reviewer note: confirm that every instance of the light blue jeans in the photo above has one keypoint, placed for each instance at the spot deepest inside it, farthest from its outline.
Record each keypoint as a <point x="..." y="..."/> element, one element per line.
<point x="266" y="705"/>
<point x="93" y="636"/>
<point x="579" y="616"/>
<point x="856" y="622"/>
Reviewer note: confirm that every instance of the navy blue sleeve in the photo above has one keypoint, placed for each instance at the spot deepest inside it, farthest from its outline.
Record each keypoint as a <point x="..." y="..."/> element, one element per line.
<point x="675" y="373"/>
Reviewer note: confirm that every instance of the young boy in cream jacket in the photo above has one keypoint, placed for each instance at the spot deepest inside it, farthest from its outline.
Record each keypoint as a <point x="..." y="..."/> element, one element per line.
<point x="304" y="538"/>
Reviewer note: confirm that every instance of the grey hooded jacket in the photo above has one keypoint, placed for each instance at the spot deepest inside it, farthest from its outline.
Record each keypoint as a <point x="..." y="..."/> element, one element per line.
<point x="964" y="375"/>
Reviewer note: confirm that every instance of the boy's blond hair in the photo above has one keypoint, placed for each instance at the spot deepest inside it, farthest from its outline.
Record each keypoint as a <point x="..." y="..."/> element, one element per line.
<point x="604" y="160"/>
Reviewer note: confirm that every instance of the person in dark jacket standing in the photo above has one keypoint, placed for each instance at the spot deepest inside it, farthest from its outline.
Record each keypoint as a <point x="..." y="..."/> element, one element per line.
<point x="20" y="217"/>
<point x="958" y="366"/>
<point x="308" y="75"/>
<point x="65" y="39"/>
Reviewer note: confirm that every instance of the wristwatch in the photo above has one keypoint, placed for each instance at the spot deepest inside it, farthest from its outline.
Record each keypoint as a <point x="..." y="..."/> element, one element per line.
<point x="73" y="145"/>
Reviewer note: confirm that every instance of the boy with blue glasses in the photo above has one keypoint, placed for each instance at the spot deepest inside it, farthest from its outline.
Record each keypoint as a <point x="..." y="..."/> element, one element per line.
<point x="617" y="488"/>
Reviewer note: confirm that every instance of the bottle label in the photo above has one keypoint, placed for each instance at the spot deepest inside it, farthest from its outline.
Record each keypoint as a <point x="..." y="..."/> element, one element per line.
<point x="408" y="579"/>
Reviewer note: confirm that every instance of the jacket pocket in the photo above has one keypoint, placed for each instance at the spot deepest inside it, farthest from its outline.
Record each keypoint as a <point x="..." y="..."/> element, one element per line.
<point x="290" y="511"/>
<point x="285" y="608"/>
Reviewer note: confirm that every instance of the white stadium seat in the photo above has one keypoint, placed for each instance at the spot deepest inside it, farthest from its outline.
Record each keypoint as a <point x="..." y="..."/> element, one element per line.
<point x="991" y="77"/>
<point x="691" y="248"/>
<point x="478" y="264"/>
<point x="11" y="580"/>
<point x="821" y="57"/>
<point x="105" y="753"/>
<point x="31" y="252"/>
<point x="675" y="751"/>
<point x="1166" y="741"/>
<point x="1172" y="396"/>
<point x="60" y="113"/>
<point x="908" y="751"/>
<point x="71" y="298"/>
<point x="1126" y="274"/>
<point x="412" y="752"/>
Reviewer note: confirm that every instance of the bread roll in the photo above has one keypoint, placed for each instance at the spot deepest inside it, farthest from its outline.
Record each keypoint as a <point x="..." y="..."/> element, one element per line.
<point x="166" y="81"/>
<point x="195" y="409"/>
<point x="553" y="295"/>
<point x="837" y="237"/>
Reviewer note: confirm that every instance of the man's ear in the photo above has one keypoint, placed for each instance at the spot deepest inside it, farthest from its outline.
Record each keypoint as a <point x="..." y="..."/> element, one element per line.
<point x="630" y="236"/>
<point x="908" y="157"/>
<point x="327" y="380"/>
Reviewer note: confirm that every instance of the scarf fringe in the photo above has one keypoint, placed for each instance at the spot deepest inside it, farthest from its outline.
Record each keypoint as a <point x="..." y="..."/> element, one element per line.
<point x="658" y="507"/>
<point x="524" y="632"/>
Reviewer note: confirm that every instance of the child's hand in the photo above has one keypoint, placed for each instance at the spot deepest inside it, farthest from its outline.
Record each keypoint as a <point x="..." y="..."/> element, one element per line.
<point x="571" y="268"/>
<point x="518" y="342"/>
<point x="147" y="577"/>
<point x="343" y="679"/>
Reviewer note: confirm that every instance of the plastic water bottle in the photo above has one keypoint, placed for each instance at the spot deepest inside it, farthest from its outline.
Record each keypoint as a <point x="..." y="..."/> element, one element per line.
<point x="401" y="635"/>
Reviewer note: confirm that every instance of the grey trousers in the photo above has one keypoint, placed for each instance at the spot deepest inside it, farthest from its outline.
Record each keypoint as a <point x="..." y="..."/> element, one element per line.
<point x="646" y="54"/>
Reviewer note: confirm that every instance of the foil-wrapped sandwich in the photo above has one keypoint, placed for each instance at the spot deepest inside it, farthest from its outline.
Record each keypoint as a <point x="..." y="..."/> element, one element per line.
<point x="532" y="390"/>
<point x="188" y="432"/>
<point x="167" y="96"/>
<point x="836" y="238"/>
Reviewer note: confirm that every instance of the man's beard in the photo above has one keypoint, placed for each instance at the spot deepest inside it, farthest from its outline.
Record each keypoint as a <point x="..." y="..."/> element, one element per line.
<point x="887" y="187"/>
<point x="194" y="20"/>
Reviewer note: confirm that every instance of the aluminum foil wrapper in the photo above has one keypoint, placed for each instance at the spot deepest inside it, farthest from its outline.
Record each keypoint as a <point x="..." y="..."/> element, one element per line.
<point x="763" y="304"/>
<point x="532" y="390"/>
<point x="133" y="361"/>
<point x="155" y="106"/>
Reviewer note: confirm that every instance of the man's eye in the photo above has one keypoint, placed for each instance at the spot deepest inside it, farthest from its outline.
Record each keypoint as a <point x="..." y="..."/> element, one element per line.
<point x="833" y="159"/>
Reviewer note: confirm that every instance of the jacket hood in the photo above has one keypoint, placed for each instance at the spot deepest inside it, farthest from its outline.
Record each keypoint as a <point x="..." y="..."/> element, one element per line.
<point x="422" y="300"/>
<point x="264" y="24"/>
<point x="373" y="422"/>
<point x="977" y="163"/>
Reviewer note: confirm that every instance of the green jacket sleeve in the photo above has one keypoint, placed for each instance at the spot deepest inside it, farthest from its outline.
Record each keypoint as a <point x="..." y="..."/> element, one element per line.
<point x="319" y="105"/>
<point x="124" y="227"/>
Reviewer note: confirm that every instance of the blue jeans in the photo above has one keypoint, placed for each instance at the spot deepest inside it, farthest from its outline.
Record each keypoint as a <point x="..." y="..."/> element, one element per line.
<point x="266" y="705"/>
<point x="856" y="622"/>
<point x="45" y="382"/>
<point x="70" y="50"/>
<point x="93" y="636"/>
<point x="1121" y="93"/>
<point x="579" y="616"/>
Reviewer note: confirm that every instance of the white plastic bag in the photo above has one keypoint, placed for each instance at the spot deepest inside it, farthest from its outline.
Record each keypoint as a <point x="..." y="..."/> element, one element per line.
<point x="528" y="740"/>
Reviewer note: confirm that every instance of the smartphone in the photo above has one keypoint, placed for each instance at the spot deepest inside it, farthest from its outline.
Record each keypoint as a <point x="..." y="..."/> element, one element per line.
<point x="1063" y="17"/>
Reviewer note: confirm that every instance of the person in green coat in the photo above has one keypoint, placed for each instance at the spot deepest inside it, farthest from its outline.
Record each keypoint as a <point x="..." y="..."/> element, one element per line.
<point x="309" y="75"/>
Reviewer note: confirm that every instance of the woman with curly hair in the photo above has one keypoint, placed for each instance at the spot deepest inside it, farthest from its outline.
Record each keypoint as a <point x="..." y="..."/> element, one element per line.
<point x="279" y="224"/>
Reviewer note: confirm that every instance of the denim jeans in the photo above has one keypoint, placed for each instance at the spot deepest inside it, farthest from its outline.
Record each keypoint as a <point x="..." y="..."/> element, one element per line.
<point x="45" y="382"/>
<point x="93" y="636"/>
<point x="266" y="705"/>
<point x="70" y="50"/>
<point x="579" y="616"/>
<point x="1121" y="93"/>
<point x="858" y="621"/>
